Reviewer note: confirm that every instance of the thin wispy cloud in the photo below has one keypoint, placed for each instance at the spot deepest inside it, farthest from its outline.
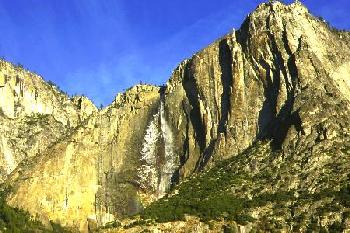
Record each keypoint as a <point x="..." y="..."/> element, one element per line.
<point x="99" y="48"/>
<point x="109" y="78"/>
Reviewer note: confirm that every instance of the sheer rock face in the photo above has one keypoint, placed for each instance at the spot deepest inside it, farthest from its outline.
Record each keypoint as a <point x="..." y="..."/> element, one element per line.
<point x="33" y="115"/>
<point x="23" y="93"/>
<point x="95" y="169"/>
<point x="283" y="77"/>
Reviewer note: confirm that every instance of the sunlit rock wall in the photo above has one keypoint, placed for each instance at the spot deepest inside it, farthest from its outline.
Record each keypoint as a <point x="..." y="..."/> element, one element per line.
<point x="33" y="115"/>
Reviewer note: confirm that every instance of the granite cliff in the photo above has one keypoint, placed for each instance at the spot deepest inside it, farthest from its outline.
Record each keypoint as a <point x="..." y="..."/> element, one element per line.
<point x="34" y="115"/>
<point x="251" y="132"/>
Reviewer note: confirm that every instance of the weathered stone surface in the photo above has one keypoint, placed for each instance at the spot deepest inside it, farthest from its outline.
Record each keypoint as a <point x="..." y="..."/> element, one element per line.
<point x="283" y="77"/>
<point x="260" y="82"/>
<point x="23" y="93"/>
<point x="94" y="169"/>
<point x="34" y="115"/>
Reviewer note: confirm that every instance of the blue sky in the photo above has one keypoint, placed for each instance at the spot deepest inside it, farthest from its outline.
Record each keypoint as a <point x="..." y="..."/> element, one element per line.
<point x="101" y="47"/>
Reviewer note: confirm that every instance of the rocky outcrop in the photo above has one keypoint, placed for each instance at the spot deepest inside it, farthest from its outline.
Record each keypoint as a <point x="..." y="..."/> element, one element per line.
<point x="260" y="82"/>
<point x="34" y="115"/>
<point x="283" y="77"/>
<point x="94" y="169"/>
<point x="23" y="93"/>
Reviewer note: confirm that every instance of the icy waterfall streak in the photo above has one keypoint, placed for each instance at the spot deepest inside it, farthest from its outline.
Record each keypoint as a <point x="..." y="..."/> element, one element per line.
<point x="152" y="173"/>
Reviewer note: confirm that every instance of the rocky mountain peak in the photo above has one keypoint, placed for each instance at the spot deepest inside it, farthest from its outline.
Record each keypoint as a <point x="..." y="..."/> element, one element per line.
<point x="278" y="7"/>
<point x="135" y="93"/>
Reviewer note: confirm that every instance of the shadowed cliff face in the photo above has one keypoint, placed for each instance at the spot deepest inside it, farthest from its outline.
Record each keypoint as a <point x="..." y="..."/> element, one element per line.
<point x="259" y="83"/>
<point x="282" y="78"/>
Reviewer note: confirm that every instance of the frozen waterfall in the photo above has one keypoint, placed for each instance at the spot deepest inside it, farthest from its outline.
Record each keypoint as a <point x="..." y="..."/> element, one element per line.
<point x="148" y="173"/>
<point x="153" y="173"/>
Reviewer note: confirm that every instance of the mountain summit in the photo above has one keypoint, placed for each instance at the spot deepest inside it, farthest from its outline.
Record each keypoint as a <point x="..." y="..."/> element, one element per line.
<point x="251" y="133"/>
